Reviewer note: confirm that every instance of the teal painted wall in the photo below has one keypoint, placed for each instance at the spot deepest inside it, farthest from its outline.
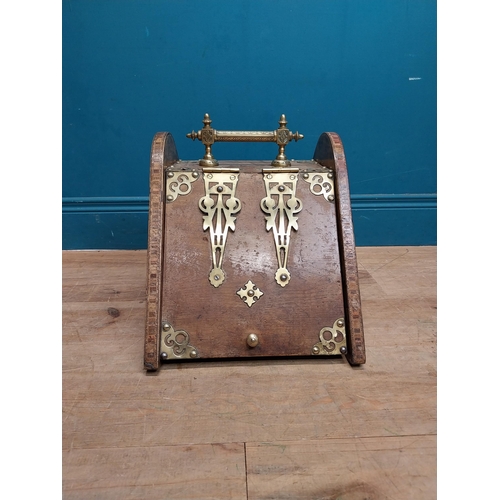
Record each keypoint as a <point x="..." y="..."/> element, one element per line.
<point x="365" y="69"/>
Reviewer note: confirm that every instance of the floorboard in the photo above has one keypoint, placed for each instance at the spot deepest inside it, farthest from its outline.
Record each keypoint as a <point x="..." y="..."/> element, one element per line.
<point x="287" y="428"/>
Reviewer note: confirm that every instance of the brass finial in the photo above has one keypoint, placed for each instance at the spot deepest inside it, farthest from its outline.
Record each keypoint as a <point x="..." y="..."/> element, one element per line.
<point x="207" y="121"/>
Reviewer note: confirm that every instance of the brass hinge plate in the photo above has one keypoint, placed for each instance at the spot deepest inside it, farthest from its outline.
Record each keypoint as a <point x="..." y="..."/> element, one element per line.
<point x="281" y="206"/>
<point x="220" y="206"/>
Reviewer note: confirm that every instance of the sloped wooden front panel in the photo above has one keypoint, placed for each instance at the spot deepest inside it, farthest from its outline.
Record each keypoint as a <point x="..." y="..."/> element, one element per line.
<point x="287" y="319"/>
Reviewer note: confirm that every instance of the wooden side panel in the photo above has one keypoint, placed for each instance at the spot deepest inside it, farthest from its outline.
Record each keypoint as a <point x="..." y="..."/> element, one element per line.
<point x="330" y="153"/>
<point x="163" y="153"/>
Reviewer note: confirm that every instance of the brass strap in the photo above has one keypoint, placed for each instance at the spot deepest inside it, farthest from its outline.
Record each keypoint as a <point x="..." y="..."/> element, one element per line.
<point x="220" y="207"/>
<point x="281" y="206"/>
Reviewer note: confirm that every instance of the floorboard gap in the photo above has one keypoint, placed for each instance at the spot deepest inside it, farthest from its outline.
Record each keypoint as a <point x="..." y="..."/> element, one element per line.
<point x="246" y="469"/>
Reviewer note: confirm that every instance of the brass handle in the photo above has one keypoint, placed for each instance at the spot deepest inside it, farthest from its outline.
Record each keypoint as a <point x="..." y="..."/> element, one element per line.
<point x="281" y="136"/>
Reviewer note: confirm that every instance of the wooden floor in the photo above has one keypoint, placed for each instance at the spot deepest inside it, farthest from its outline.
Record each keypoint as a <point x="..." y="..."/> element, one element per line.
<point x="285" y="429"/>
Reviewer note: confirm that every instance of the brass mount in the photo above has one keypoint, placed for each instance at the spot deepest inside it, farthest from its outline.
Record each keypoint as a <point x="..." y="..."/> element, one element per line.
<point x="281" y="136"/>
<point x="220" y="207"/>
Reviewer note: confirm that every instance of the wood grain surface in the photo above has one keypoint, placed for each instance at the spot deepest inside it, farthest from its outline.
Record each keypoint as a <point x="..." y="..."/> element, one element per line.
<point x="260" y="429"/>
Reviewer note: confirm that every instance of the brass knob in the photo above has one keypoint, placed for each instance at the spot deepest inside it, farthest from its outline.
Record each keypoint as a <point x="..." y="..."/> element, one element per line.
<point x="252" y="340"/>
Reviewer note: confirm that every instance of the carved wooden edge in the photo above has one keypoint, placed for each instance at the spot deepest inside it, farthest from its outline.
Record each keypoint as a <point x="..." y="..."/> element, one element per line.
<point x="163" y="154"/>
<point x="330" y="153"/>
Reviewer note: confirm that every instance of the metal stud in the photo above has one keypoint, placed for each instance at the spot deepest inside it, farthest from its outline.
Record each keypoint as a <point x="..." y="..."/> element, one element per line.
<point x="194" y="353"/>
<point x="166" y="326"/>
<point x="170" y="174"/>
<point x="315" y="349"/>
<point x="306" y="176"/>
<point x="340" y="323"/>
<point x="220" y="189"/>
<point x="164" y="355"/>
<point x="281" y="188"/>
<point x="170" y="198"/>
<point x="343" y="350"/>
<point x="331" y="197"/>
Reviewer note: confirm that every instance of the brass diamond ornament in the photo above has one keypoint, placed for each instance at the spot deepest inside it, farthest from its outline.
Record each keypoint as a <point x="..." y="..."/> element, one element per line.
<point x="249" y="293"/>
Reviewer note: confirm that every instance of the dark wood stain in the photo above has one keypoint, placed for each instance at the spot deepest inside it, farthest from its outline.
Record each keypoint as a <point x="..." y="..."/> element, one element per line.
<point x="113" y="312"/>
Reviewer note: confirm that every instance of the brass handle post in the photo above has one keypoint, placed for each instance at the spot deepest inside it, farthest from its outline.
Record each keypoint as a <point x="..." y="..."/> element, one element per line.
<point x="281" y="136"/>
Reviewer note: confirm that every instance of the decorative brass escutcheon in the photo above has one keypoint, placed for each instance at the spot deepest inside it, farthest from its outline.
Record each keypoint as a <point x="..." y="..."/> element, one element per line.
<point x="219" y="206"/>
<point x="208" y="136"/>
<point x="281" y="205"/>
<point x="332" y="339"/>
<point x="175" y="344"/>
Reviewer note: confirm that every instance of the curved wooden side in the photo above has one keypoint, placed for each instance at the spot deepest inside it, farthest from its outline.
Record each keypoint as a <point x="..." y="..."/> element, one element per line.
<point x="163" y="154"/>
<point x="330" y="153"/>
